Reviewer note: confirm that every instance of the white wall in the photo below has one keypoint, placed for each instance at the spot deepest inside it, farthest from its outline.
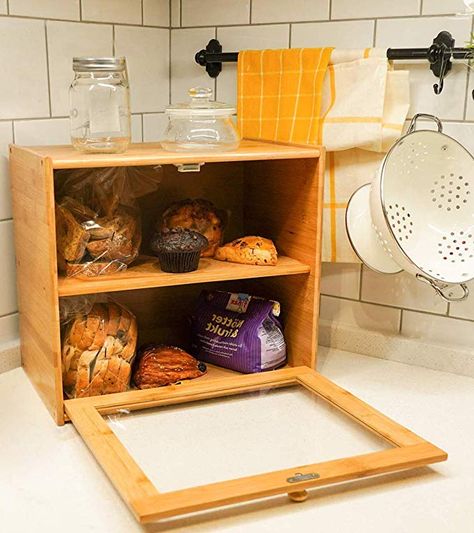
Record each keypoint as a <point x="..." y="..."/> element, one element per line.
<point x="38" y="39"/>
<point x="353" y="297"/>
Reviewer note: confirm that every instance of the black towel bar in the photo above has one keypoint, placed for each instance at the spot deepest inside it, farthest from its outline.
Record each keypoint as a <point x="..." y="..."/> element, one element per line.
<point x="440" y="55"/>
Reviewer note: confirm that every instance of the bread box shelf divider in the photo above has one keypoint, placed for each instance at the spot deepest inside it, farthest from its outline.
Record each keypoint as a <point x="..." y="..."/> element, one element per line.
<point x="270" y="189"/>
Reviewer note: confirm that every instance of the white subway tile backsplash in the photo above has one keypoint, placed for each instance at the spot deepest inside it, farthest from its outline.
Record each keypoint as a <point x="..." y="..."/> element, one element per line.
<point x="38" y="132"/>
<point x="361" y="315"/>
<point x="136" y="125"/>
<point x="24" y="91"/>
<point x="400" y="290"/>
<point x="245" y="38"/>
<point x="289" y="11"/>
<point x="212" y="13"/>
<point x="3" y="7"/>
<point x="447" y="105"/>
<point x="464" y="309"/>
<point x="470" y="99"/>
<point x="62" y="9"/>
<point x="440" y="7"/>
<point x="147" y="53"/>
<point x="156" y="13"/>
<point x="7" y="268"/>
<point x="463" y="132"/>
<point x="154" y="125"/>
<point x="175" y="13"/>
<point x="419" y="32"/>
<point x="65" y="41"/>
<point x="6" y="137"/>
<point x="186" y="73"/>
<point x="348" y="9"/>
<point x="341" y="34"/>
<point x="438" y="329"/>
<point x="414" y="32"/>
<point x="340" y="279"/>
<point x="8" y="328"/>
<point x="119" y="11"/>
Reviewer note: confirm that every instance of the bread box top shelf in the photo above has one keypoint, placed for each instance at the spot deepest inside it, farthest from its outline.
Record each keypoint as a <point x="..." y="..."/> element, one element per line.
<point x="65" y="156"/>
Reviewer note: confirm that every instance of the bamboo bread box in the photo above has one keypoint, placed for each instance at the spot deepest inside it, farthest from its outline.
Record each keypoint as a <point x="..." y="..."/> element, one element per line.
<point x="270" y="189"/>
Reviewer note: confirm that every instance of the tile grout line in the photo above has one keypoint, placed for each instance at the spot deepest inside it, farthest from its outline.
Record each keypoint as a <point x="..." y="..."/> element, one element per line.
<point x="400" y="323"/>
<point x="215" y="79"/>
<point x="170" y="69"/>
<point x="374" y="40"/>
<point x="47" y="67"/>
<point x="468" y="66"/>
<point x="82" y="21"/>
<point x="113" y="42"/>
<point x="141" y="12"/>
<point x="322" y="21"/>
<point x="388" y="306"/>
<point x="180" y="13"/>
<point x="421" y="7"/>
<point x="80" y="10"/>
<point x="9" y="314"/>
<point x="361" y="268"/>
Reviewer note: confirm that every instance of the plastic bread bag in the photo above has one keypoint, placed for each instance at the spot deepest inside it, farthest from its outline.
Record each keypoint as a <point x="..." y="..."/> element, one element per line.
<point x="237" y="331"/>
<point x="98" y="345"/>
<point x="98" y="229"/>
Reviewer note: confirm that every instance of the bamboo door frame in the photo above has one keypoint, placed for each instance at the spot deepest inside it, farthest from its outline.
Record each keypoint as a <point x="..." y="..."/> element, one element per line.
<point x="147" y="504"/>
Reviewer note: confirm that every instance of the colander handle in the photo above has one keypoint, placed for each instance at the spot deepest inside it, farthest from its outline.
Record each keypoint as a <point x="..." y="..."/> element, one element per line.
<point x="412" y="126"/>
<point x="439" y="289"/>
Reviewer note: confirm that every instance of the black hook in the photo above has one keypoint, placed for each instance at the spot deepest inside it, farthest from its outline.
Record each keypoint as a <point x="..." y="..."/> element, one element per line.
<point x="439" y="56"/>
<point x="438" y="87"/>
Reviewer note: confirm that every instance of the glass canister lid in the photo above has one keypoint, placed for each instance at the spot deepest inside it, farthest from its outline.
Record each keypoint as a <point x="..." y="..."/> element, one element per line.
<point x="200" y="105"/>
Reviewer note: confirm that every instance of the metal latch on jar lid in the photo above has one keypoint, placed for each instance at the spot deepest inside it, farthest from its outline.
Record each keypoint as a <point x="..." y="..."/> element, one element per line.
<point x="298" y="477"/>
<point x="189" y="167"/>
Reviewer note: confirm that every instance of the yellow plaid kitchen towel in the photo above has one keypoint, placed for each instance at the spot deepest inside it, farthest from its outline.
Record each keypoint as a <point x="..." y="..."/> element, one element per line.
<point x="350" y="101"/>
<point x="279" y="94"/>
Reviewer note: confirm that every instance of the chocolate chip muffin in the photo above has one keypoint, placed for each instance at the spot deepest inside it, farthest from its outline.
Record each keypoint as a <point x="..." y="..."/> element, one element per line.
<point x="178" y="249"/>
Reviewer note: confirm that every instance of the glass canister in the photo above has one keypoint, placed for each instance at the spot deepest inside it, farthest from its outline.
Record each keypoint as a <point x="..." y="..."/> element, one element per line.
<point x="200" y="124"/>
<point x="100" y="105"/>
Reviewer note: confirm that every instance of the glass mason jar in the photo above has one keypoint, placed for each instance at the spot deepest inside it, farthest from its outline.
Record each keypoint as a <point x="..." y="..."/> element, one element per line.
<point x="100" y="105"/>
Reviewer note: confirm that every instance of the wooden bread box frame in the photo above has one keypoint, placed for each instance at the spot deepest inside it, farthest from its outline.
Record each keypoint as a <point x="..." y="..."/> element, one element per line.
<point x="272" y="190"/>
<point x="276" y="188"/>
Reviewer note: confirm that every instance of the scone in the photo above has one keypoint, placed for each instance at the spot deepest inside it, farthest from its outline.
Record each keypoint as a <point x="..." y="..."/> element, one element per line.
<point x="162" y="365"/>
<point x="249" y="250"/>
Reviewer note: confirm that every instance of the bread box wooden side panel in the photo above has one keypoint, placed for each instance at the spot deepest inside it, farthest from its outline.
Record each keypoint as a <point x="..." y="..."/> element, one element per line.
<point x="283" y="200"/>
<point x="37" y="278"/>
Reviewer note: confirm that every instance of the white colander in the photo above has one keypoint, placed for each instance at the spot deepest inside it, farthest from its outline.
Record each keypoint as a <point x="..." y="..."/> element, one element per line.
<point x="418" y="213"/>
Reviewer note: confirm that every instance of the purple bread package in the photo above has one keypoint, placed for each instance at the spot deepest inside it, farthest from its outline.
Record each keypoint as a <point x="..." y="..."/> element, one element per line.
<point x="237" y="331"/>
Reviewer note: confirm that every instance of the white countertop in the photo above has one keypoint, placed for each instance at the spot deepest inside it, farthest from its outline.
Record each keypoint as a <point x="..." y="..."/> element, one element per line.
<point x="50" y="483"/>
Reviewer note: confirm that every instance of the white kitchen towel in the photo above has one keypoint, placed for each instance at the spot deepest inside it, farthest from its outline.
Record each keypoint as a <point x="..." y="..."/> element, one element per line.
<point x="364" y="106"/>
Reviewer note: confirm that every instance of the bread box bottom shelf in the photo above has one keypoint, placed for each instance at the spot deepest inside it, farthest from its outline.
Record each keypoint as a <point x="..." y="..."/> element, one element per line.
<point x="127" y="400"/>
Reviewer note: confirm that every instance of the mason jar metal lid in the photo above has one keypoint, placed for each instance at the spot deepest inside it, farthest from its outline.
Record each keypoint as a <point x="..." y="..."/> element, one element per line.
<point x="89" y="64"/>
